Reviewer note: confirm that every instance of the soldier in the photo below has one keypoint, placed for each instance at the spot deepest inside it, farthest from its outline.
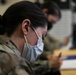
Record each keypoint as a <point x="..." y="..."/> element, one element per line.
<point x="22" y="25"/>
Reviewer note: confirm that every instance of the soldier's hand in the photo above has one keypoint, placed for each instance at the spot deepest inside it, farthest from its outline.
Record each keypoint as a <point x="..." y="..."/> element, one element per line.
<point x="55" y="62"/>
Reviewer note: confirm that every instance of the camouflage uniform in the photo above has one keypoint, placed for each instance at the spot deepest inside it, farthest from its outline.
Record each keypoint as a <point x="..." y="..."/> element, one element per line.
<point x="51" y="43"/>
<point x="11" y="63"/>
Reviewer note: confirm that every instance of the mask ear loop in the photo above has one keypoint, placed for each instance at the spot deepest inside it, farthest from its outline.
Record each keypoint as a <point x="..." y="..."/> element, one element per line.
<point x="26" y="41"/>
<point x="35" y="32"/>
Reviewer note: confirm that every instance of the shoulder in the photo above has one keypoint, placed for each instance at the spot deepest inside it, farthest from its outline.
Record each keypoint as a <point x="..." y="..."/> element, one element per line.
<point x="5" y="57"/>
<point x="10" y="63"/>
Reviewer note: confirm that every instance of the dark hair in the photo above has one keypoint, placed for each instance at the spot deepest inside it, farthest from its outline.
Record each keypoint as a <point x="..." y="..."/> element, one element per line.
<point x="52" y="8"/>
<point x="38" y="4"/>
<point x="17" y="12"/>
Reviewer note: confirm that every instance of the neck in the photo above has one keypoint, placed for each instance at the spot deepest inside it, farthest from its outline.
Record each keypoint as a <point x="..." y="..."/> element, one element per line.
<point x="18" y="41"/>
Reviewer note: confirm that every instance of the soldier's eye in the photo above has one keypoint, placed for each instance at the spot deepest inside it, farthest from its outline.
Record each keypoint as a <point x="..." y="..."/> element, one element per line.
<point x="44" y="35"/>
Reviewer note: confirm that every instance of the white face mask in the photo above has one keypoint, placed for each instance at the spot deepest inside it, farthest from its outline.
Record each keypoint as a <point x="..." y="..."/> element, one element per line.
<point x="32" y="52"/>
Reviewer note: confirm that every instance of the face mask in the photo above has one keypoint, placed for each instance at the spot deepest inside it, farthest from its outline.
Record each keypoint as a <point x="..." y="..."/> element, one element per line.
<point x="50" y="25"/>
<point x="32" y="52"/>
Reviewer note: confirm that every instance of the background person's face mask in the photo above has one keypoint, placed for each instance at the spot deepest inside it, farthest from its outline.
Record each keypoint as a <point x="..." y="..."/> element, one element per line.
<point x="32" y="52"/>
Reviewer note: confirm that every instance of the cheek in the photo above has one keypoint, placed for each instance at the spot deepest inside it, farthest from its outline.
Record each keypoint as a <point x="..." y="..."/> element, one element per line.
<point x="40" y="34"/>
<point x="32" y="38"/>
<point x="55" y="19"/>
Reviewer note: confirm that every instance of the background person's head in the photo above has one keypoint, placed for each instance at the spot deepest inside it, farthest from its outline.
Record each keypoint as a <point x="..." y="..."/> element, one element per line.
<point x="20" y="19"/>
<point x="52" y="13"/>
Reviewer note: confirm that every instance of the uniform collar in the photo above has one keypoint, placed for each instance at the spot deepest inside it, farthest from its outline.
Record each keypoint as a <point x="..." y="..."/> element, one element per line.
<point x="6" y="41"/>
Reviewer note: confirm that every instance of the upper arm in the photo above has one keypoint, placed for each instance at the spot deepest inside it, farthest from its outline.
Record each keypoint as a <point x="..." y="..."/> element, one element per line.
<point x="41" y="67"/>
<point x="10" y="65"/>
<point x="4" y="62"/>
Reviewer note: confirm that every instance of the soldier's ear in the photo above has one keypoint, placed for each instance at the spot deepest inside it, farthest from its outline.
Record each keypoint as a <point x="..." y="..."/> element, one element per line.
<point x="25" y="26"/>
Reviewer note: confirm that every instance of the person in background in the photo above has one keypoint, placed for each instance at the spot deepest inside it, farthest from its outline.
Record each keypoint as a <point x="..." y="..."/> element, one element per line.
<point x="22" y="26"/>
<point x="53" y="14"/>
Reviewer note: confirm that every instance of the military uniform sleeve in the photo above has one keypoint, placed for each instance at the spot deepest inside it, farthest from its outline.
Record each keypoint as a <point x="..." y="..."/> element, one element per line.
<point x="50" y="44"/>
<point x="10" y="65"/>
<point x="47" y="44"/>
<point x="41" y="67"/>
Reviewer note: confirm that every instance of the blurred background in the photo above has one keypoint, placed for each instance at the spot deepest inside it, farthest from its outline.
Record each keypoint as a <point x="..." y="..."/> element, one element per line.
<point x="65" y="25"/>
<point x="64" y="30"/>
